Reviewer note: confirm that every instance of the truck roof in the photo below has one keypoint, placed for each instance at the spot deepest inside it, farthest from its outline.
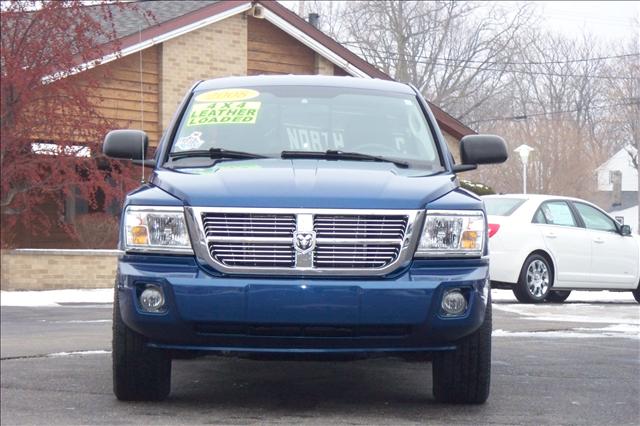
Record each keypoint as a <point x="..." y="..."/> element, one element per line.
<point x="304" y="80"/>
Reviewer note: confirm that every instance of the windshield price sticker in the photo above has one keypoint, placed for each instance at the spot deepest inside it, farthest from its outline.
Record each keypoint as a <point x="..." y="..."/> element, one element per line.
<point x="193" y="141"/>
<point x="224" y="113"/>
<point x="227" y="95"/>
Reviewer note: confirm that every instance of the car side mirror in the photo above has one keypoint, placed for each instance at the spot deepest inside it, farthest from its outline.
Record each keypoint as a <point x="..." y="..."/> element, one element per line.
<point x="126" y="144"/>
<point x="481" y="149"/>
<point x="625" y="230"/>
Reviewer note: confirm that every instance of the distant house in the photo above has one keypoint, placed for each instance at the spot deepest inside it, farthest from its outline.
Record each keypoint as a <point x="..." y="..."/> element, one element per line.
<point x="628" y="216"/>
<point x="617" y="181"/>
<point x="186" y="41"/>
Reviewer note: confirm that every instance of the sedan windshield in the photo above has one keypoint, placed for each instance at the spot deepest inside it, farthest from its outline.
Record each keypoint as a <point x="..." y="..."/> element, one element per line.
<point x="502" y="206"/>
<point x="269" y="120"/>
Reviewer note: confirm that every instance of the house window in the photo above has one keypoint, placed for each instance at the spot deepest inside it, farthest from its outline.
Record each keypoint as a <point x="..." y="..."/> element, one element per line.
<point x="76" y="206"/>
<point x="615" y="177"/>
<point x="51" y="148"/>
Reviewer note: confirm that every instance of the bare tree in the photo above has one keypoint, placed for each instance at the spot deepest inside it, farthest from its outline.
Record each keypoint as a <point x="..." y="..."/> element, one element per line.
<point x="563" y="105"/>
<point x="457" y="53"/>
<point x="627" y="122"/>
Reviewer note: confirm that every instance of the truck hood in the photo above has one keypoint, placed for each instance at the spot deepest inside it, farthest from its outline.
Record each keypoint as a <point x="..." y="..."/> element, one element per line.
<point x="304" y="183"/>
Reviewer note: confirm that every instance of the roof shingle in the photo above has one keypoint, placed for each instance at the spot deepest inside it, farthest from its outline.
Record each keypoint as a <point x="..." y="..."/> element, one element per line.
<point x="129" y="18"/>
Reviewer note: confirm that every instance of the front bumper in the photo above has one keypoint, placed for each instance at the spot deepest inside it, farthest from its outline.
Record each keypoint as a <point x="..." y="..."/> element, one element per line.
<point x="398" y="313"/>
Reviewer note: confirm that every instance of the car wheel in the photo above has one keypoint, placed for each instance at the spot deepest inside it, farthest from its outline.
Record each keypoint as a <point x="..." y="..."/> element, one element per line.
<point x="535" y="280"/>
<point x="140" y="373"/>
<point x="463" y="376"/>
<point x="636" y="294"/>
<point x="557" y="296"/>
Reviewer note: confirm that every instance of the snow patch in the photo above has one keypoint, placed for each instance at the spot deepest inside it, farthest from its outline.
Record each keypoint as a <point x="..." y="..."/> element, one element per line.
<point x="573" y="333"/>
<point x="61" y="354"/>
<point x="55" y="297"/>
<point x="620" y="328"/>
<point x="579" y="313"/>
<point x="601" y="296"/>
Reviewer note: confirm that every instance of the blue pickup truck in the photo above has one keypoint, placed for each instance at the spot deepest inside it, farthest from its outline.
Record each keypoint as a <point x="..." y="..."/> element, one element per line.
<point x="303" y="217"/>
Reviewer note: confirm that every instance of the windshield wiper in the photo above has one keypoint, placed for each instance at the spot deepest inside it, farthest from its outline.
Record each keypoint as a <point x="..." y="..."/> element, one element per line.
<point x="214" y="153"/>
<point x="331" y="154"/>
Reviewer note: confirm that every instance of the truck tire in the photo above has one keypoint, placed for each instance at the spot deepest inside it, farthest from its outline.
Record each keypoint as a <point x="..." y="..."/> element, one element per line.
<point x="536" y="278"/>
<point x="557" y="296"/>
<point x="140" y="373"/>
<point x="463" y="376"/>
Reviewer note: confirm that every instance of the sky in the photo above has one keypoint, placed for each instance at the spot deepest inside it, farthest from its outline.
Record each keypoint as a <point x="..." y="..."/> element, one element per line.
<point x="608" y="20"/>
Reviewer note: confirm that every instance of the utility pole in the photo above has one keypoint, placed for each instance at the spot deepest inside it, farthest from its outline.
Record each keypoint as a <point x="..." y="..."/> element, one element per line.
<point x="635" y="128"/>
<point x="636" y="136"/>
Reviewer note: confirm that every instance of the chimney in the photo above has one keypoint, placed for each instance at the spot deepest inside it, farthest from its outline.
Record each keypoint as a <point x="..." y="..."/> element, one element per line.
<point x="314" y="19"/>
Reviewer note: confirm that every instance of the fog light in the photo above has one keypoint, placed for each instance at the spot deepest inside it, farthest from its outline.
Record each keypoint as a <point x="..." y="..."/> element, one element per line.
<point x="454" y="302"/>
<point x="152" y="299"/>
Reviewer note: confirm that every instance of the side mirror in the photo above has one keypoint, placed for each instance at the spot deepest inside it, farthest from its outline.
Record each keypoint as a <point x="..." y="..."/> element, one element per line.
<point x="481" y="149"/>
<point x="126" y="144"/>
<point x="625" y="230"/>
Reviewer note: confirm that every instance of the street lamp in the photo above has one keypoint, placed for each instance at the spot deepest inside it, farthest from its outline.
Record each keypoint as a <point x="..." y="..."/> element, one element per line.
<point x="524" y="150"/>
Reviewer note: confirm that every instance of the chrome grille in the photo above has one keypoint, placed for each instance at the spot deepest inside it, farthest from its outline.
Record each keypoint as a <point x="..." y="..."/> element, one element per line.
<point x="347" y="241"/>
<point x="276" y="241"/>
<point x="240" y="239"/>
<point x="360" y="226"/>
<point x="248" y="225"/>
<point x="253" y="254"/>
<point x="355" y="256"/>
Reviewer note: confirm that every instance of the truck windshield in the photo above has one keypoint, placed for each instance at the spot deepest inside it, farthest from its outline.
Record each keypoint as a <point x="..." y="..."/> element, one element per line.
<point x="268" y="120"/>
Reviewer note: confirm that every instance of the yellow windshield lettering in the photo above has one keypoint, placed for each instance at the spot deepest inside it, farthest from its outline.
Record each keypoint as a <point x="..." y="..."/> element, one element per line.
<point x="223" y="113"/>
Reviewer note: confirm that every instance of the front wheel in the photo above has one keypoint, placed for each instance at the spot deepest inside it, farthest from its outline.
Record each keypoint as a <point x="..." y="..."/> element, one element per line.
<point x="557" y="296"/>
<point x="463" y="376"/>
<point x="636" y="294"/>
<point x="536" y="278"/>
<point x="140" y="373"/>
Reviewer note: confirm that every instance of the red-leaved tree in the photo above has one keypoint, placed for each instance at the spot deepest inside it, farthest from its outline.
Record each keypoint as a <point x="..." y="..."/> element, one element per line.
<point x="51" y="130"/>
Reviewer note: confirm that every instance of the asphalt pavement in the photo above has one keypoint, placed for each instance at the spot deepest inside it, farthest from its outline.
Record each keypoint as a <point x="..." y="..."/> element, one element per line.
<point x="576" y="363"/>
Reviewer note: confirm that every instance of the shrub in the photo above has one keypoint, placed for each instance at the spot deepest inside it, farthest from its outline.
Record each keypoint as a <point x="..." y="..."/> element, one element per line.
<point x="476" y="188"/>
<point x="97" y="230"/>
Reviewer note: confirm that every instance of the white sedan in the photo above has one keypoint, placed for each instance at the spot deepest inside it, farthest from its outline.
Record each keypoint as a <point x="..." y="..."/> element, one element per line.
<point x="542" y="247"/>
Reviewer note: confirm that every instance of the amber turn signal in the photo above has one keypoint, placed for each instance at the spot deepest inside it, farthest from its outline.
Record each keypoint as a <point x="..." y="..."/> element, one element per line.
<point x="139" y="235"/>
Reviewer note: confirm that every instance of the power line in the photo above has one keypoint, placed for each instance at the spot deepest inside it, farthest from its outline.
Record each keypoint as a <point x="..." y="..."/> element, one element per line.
<point x="515" y="71"/>
<point x="538" y="114"/>
<point x="567" y="61"/>
<point x="624" y="22"/>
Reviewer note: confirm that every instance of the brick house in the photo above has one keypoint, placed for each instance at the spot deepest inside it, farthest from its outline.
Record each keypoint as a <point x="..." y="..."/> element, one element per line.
<point x="185" y="41"/>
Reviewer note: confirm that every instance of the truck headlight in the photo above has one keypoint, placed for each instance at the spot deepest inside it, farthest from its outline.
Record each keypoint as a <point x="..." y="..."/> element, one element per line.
<point x="156" y="229"/>
<point x="452" y="233"/>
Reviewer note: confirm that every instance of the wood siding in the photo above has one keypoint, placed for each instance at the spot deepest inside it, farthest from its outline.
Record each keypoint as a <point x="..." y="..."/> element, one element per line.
<point x="339" y="71"/>
<point x="119" y="94"/>
<point x="272" y="51"/>
<point x="118" y="99"/>
<point x="269" y="50"/>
